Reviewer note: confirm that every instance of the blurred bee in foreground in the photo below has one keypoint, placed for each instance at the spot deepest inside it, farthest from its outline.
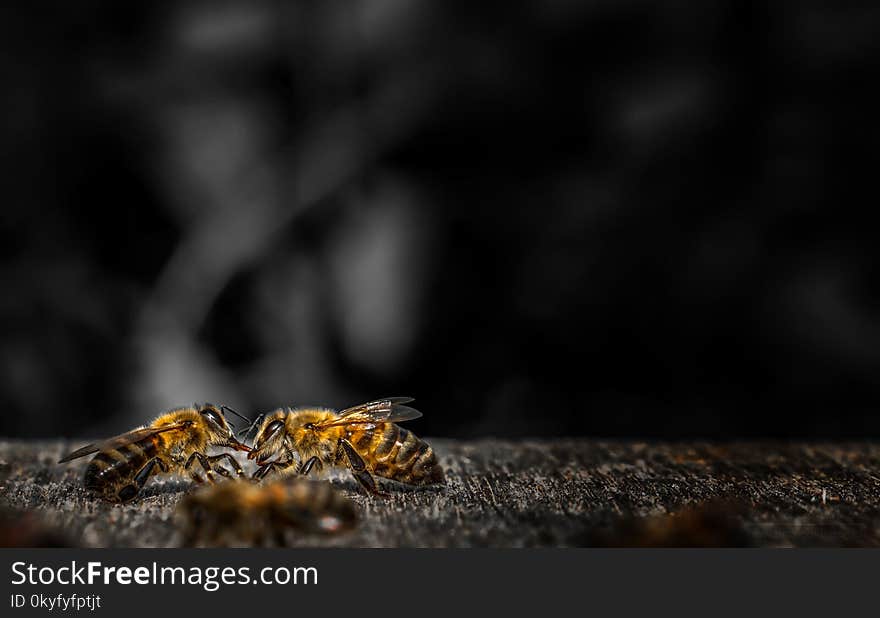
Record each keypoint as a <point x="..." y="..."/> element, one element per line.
<point x="27" y="529"/>
<point x="249" y="514"/>
<point x="171" y="444"/>
<point x="364" y="438"/>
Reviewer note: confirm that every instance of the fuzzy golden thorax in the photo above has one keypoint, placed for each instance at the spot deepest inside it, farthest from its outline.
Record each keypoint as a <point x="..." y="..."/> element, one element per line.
<point x="292" y="433"/>
<point x="205" y="426"/>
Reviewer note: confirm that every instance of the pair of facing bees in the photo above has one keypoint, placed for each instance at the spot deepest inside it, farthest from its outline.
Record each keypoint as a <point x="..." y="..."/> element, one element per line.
<point x="365" y="438"/>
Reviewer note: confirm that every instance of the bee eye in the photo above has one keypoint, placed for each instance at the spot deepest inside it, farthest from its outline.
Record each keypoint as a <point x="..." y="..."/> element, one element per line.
<point x="273" y="427"/>
<point x="213" y="417"/>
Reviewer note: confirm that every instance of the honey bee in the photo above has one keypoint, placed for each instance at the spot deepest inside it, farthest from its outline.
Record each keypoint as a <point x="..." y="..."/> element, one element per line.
<point x="364" y="438"/>
<point x="243" y="513"/>
<point x="170" y="444"/>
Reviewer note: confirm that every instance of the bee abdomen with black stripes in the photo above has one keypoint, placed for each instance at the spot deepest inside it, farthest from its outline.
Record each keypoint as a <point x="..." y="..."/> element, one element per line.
<point x="399" y="455"/>
<point x="116" y="466"/>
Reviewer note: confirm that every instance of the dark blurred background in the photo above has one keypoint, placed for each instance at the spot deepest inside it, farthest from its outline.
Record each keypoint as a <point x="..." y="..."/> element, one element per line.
<point x="555" y="217"/>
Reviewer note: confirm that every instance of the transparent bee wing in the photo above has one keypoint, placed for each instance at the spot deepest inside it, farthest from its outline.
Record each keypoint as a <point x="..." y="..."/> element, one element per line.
<point x="80" y="452"/>
<point x="389" y="410"/>
<point x="253" y="427"/>
<point x="121" y="440"/>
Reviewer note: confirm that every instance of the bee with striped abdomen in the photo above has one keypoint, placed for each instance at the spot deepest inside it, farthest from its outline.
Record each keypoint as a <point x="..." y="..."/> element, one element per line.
<point x="250" y="514"/>
<point x="171" y="444"/>
<point x="365" y="439"/>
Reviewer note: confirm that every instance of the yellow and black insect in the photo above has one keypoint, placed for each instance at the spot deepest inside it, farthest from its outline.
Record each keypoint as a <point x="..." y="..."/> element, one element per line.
<point x="364" y="438"/>
<point x="170" y="444"/>
<point x="240" y="513"/>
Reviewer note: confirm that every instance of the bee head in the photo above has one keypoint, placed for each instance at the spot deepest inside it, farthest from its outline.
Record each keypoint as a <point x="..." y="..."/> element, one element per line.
<point x="220" y="431"/>
<point x="269" y="440"/>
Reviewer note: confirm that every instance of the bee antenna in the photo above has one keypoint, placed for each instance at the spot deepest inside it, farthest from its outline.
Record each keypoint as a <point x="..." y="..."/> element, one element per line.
<point x="247" y="430"/>
<point x="228" y="409"/>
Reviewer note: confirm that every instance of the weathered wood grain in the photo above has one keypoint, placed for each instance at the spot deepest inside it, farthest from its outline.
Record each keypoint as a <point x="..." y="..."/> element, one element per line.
<point x="530" y="493"/>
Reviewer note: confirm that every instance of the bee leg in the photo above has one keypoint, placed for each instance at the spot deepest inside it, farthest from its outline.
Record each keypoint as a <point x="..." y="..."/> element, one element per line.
<point x="359" y="469"/>
<point x="263" y="470"/>
<point x="222" y="471"/>
<point x="128" y="492"/>
<point x="306" y="467"/>
<point x="206" y="466"/>
<point x="230" y="459"/>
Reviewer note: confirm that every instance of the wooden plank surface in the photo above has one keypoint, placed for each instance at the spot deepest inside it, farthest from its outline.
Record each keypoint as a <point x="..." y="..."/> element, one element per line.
<point x="524" y="493"/>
